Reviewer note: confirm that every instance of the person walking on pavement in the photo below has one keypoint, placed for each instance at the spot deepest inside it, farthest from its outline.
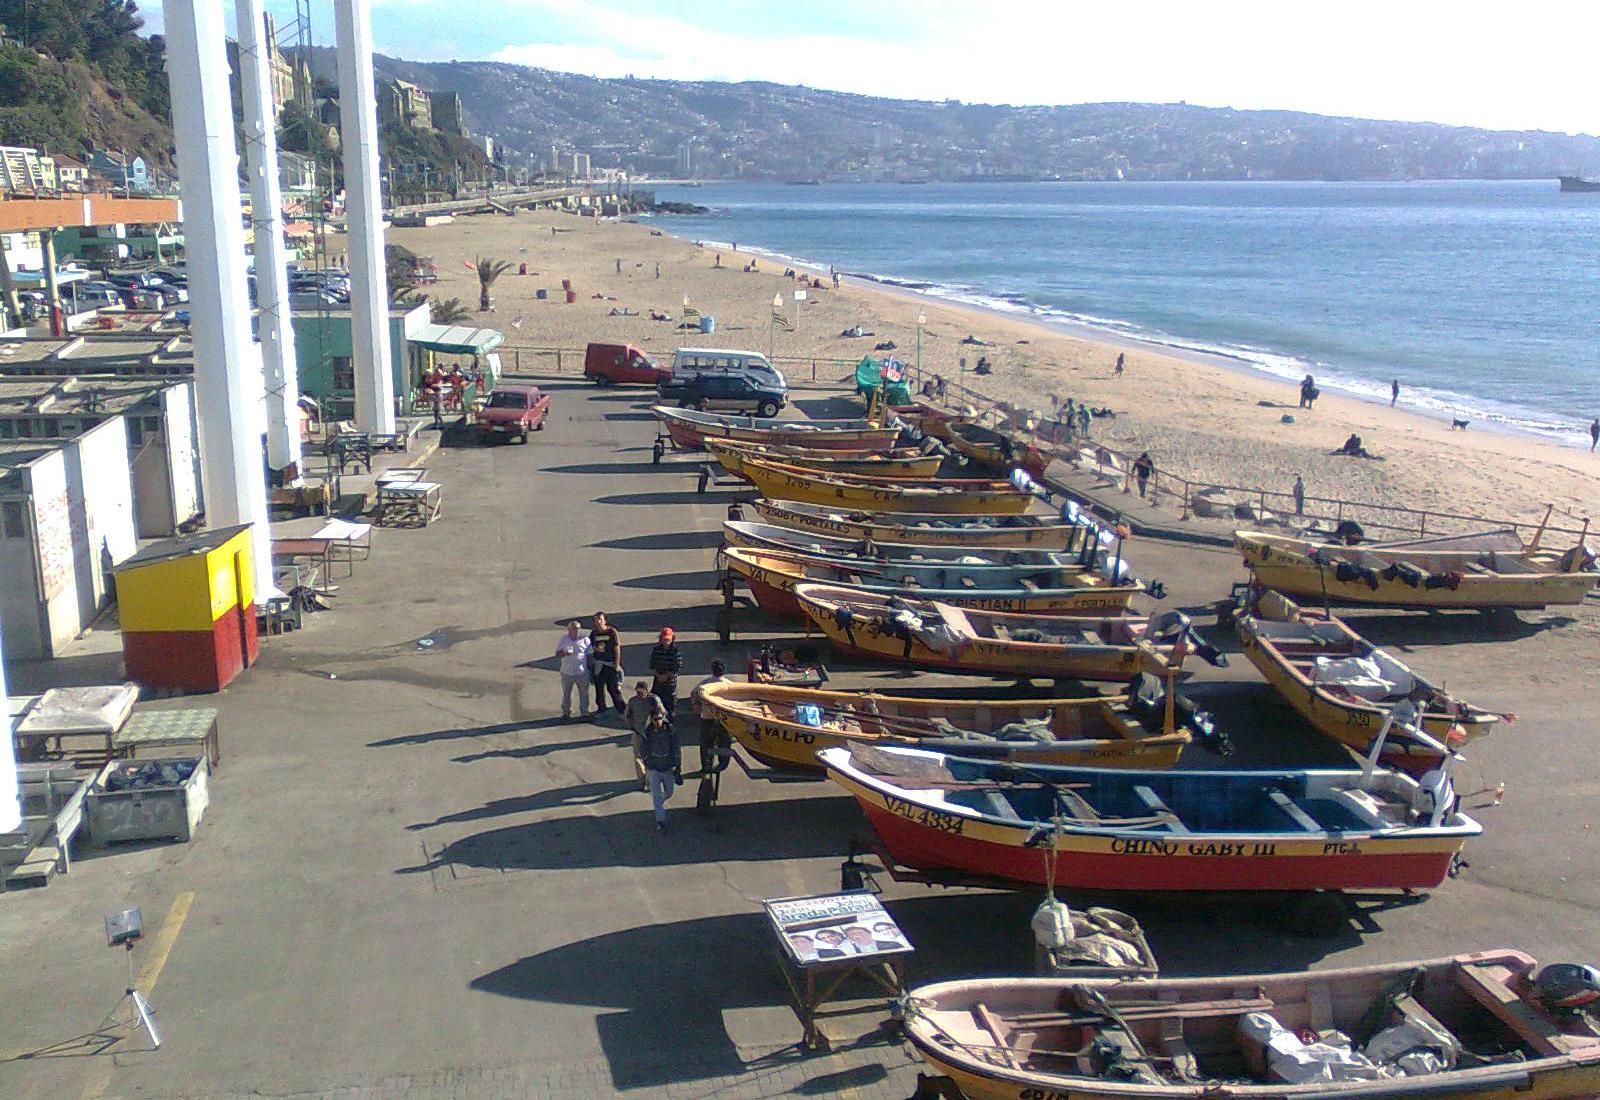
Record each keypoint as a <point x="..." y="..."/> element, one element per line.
<point x="665" y="663"/>
<point x="573" y="652"/>
<point x="663" y="762"/>
<point x="640" y="707"/>
<point x="1299" y="495"/>
<point x="605" y="665"/>
<point x="1143" y="467"/>
<point x="713" y="740"/>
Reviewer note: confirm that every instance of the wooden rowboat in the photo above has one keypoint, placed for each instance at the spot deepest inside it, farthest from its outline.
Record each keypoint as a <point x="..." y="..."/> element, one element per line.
<point x="690" y="430"/>
<point x="907" y="462"/>
<point x="772" y="576"/>
<point x="1116" y="829"/>
<point x="966" y="496"/>
<point x="775" y="725"/>
<point x="769" y="536"/>
<point x="1484" y="570"/>
<point x="1345" y="686"/>
<point x="927" y="634"/>
<point x="1182" y="1039"/>
<point x="924" y="529"/>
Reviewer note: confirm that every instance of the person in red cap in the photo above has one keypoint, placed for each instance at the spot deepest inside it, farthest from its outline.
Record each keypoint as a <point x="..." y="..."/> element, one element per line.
<point x="665" y="662"/>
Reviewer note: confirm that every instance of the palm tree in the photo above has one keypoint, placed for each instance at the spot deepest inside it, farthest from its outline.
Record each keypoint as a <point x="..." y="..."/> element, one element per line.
<point x="450" y="311"/>
<point x="488" y="271"/>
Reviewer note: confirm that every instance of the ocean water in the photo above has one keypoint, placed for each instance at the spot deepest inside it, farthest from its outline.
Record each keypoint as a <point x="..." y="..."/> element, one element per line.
<point x="1482" y="298"/>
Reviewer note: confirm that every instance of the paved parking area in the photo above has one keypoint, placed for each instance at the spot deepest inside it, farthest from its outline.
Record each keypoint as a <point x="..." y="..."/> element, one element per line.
<point x="414" y="882"/>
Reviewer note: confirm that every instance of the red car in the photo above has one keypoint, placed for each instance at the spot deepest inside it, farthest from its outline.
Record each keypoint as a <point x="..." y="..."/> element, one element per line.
<point x="622" y="364"/>
<point x="513" y="411"/>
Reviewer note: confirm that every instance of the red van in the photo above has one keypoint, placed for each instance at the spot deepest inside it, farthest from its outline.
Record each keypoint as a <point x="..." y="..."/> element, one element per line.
<point x="622" y="365"/>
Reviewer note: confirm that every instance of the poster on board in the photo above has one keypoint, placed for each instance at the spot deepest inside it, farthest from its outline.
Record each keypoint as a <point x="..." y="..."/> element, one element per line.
<point x="831" y="928"/>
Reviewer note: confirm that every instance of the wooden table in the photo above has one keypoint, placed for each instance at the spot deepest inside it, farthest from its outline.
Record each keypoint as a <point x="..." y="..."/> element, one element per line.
<point x="185" y="727"/>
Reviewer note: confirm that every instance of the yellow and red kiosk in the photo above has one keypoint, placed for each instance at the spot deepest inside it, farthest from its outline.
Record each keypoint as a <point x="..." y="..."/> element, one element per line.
<point x="188" y="611"/>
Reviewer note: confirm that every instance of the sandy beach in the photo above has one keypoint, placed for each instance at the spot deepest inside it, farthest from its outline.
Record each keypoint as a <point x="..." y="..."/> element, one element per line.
<point x="1200" y="420"/>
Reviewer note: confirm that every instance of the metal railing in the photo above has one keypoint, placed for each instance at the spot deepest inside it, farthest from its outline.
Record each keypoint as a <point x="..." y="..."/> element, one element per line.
<point x="525" y="358"/>
<point x="1169" y="488"/>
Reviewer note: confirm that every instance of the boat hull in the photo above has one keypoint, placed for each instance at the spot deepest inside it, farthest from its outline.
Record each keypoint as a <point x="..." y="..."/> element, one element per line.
<point x="928" y="840"/>
<point x="777" y="483"/>
<point x="690" y="433"/>
<point x="882" y="529"/>
<point x="1354" y="724"/>
<point x="1296" y="575"/>
<point x="794" y="747"/>
<point x="772" y="585"/>
<point x="867" y="641"/>
<point x="733" y="460"/>
<point x="944" y="1025"/>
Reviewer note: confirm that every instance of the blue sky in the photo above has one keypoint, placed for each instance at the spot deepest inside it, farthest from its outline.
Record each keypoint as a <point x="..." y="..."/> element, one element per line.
<point x="1472" y="62"/>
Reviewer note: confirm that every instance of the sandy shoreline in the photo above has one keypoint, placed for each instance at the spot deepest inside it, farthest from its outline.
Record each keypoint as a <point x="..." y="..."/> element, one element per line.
<point x="1204" y="420"/>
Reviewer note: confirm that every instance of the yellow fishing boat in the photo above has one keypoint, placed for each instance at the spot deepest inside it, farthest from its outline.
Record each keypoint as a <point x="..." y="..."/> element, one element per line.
<point x="964" y="496"/>
<point x="1490" y="1026"/>
<point x="771" y="576"/>
<point x="786" y="726"/>
<point x="931" y="634"/>
<point x="907" y="462"/>
<point x="1345" y="686"/>
<point x="1484" y="570"/>
<point x="923" y="529"/>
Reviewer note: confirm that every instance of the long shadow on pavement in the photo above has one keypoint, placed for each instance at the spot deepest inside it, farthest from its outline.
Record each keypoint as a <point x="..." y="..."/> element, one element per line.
<point x="652" y="500"/>
<point x="673" y="540"/>
<point x="725" y="963"/>
<point x="603" y="468"/>
<point x="1451" y="628"/>
<point x="461" y="732"/>
<point x="758" y="832"/>
<point x="700" y="580"/>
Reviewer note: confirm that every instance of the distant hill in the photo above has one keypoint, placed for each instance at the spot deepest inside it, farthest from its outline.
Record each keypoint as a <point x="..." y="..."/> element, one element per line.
<point x="769" y="131"/>
<point x="75" y="75"/>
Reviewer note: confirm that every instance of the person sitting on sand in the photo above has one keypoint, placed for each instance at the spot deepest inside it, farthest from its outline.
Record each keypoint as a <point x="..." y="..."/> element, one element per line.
<point x="1353" y="448"/>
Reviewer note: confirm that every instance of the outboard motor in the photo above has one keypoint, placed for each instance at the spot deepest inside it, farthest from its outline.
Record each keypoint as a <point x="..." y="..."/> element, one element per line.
<point x="1563" y="988"/>
<point x="1168" y="626"/>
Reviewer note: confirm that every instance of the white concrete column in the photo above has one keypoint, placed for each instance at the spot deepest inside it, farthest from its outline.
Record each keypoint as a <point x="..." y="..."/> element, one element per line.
<point x="227" y="402"/>
<point x="278" y="364"/>
<point x="369" y="284"/>
<point x="10" y="804"/>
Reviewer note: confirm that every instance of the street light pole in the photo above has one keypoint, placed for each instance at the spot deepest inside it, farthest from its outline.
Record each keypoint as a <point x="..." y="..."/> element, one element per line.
<point x="772" y="322"/>
<point x="922" y="319"/>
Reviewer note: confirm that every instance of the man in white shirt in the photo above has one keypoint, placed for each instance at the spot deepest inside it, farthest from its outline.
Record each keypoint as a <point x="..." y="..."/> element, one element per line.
<point x="573" y="652"/>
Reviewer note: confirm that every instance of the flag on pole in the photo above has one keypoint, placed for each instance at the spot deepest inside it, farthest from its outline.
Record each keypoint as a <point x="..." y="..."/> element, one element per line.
<point x="781" y="321"/>
<point x="690" y="313"/>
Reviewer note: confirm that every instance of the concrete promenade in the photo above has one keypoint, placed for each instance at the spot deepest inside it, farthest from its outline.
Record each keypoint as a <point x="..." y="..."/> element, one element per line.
<point x="414" y="881"/>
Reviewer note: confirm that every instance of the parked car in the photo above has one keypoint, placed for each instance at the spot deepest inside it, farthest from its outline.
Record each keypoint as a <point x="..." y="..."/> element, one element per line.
<point x="725" y="378"/>
<point x="514" y="411"/>
<point x="622" y="364"/>
<point x="727" y="392"/>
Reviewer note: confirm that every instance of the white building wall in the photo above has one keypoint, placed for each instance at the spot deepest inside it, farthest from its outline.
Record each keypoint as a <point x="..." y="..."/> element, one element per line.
<point x="183" y="460"/>
<point x="82" y="500"/>
<point x="19" y="595"/>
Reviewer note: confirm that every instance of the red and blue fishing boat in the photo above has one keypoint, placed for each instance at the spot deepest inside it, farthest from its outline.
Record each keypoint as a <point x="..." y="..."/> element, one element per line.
<point x="1121" y="829"/>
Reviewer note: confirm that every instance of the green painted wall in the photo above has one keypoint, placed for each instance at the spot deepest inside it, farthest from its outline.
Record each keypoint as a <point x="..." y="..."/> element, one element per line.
<point x="318" y="340"/>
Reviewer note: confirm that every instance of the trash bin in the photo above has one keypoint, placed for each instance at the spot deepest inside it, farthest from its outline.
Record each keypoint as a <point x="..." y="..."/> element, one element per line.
<point x="708" y="324"/>
<point x="572" y="296"/>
